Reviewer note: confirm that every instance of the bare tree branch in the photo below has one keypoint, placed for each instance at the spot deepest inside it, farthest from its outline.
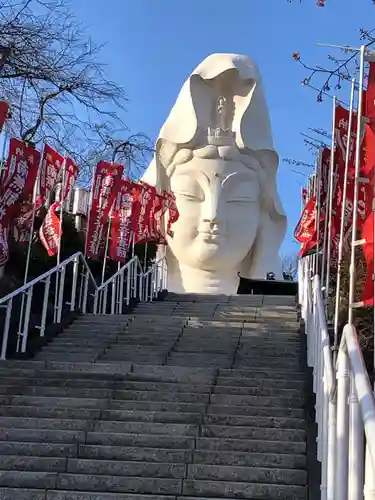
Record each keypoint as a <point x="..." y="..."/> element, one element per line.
<point x="57" y="86"/>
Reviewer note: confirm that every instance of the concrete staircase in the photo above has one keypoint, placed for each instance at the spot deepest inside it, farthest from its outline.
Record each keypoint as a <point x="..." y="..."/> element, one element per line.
<point x="196" y="396"/>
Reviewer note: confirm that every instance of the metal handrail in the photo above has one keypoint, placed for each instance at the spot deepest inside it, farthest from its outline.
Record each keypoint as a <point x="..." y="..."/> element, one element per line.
<point x="363" y="387"/>
<point x="345" y="401"/>
<point x="129" y="282"/>
<point x="45" y="275"/>
<point x="120" y="271"/>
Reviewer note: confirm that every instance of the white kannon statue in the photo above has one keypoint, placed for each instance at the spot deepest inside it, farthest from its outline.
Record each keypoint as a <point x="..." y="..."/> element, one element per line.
<point x="215" y="152"/>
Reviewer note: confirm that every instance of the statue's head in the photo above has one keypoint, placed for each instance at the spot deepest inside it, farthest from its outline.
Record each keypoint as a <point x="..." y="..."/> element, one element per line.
<point x="215" y="152"/>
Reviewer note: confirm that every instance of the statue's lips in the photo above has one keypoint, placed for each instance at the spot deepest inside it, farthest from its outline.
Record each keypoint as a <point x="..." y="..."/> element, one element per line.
<point x="212" y="236"/>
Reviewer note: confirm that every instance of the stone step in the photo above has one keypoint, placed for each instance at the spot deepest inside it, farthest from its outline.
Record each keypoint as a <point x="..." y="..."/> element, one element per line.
<point x="250" y="373"/>
<point x="52" y="480"/>
<point x="261" y="382"/>
<point x="248" y="491"/>
<point x="51" y="356"/>
<point x="293" y="401"/>
<point x="127" y="453"/>
<point x="170" y="396"/>
<point x="264" y="411"/>
<point x="245" y="459"/>
<point x="257" y="433"/>
<point x="38" y="449"/>
<point x="122" y="468"/>
<point x="154" y="358"/>
<point x="42" y="436"/>
<point x="257" y="391"/>
<point x="141" y="440"/>
<point x="255" y="421"/>
<point x="33" y="464"/>
<point x="62" y="382"/>
<point x="22" y="494"/>
<point x="175" y="374"/>
<point x="170" y="429"/>
<point x="246" y="474"/>
<point x="59" y="402"/>
<point x="162" y="406"/>
<point x="45" y="423"/>
<point x="225" y="444"/>
<point x="37" y="494"/>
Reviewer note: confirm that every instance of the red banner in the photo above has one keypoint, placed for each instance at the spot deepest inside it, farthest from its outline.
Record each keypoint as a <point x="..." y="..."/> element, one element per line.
<point x="71" y="174"/>
<point x="4" y="113"/>
<point x="121" y="232"/>
<point x="144" y="201"/>
<point x="324" y="177"/>
<point x="104" y="190"/>
<point x="156" y="220"/>
<point x="18" y="181"/>
<point x="49" y="232"/>
<point x="173" y="213"/>
<point x="306" y="226"/>
<point x="369" y="110"/>
<point x="52" y="162"/>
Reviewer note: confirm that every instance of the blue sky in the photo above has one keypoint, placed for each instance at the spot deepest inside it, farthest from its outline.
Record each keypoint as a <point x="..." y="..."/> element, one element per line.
<point x="153" y="45"/>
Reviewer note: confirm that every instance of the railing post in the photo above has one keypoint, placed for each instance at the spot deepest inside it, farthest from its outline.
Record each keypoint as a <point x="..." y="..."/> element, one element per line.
<point x="128" y="286"/>
<point x="74" y="284"/>
<point x="6" y="330"/>
<point x="331" y="442"/>
<point x="85" y="291"/>
<point x="60" y="302"/>
<point x="121" y="292"/>
<point x="356" y="447"/>
<point x="369" y="478"/>
<point x="96" y="298"/>
<point x="104" y="303"/>
<point x="135" y="279"/>
<point x="113" y="298"/>
<point x="45" y="306"/>
<point x="323" y="437"/>
<point x="342" y="445"/>
<point x="25" y="332"/>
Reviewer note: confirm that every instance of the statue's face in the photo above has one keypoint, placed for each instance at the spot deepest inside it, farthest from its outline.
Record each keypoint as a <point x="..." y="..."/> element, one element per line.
<point x="218" y="202"/>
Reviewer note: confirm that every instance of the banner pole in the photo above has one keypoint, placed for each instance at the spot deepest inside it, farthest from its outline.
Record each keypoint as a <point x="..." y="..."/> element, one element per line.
<point x="89" y="209"/>
<point x="342" y="221"/>
<point x="35" y="194"/>
<point x="317" y="207"/>
<point x="62" y="196"/>
<point x="352" y="273"/>
<point x="107" y="246"/>
<point x="5" y="135"/>
<point x="330" y="198"/>
<point x="145" y="258"/>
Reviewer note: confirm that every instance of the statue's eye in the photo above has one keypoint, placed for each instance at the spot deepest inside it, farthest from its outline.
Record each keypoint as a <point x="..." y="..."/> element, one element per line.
<point x="241" y="199"/>
<point x="189" y="196"/>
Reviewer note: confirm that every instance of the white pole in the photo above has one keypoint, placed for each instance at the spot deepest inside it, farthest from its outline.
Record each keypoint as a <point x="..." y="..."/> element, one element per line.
<point x="5" y="139"/>
<point x="35" y="194"/>
<point x="352" y="272"/>
<point x="342" y="222"/>
<point x="145" y="259"/>
<point x="324" y="251"/>
<point x="106" y="246"/>
<point x="62" y="193"/>
<point x="89" y="209"/>
<point x="57" y="287"/>
<point x="317" y="209"/>
<point x="330" y="199"/>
